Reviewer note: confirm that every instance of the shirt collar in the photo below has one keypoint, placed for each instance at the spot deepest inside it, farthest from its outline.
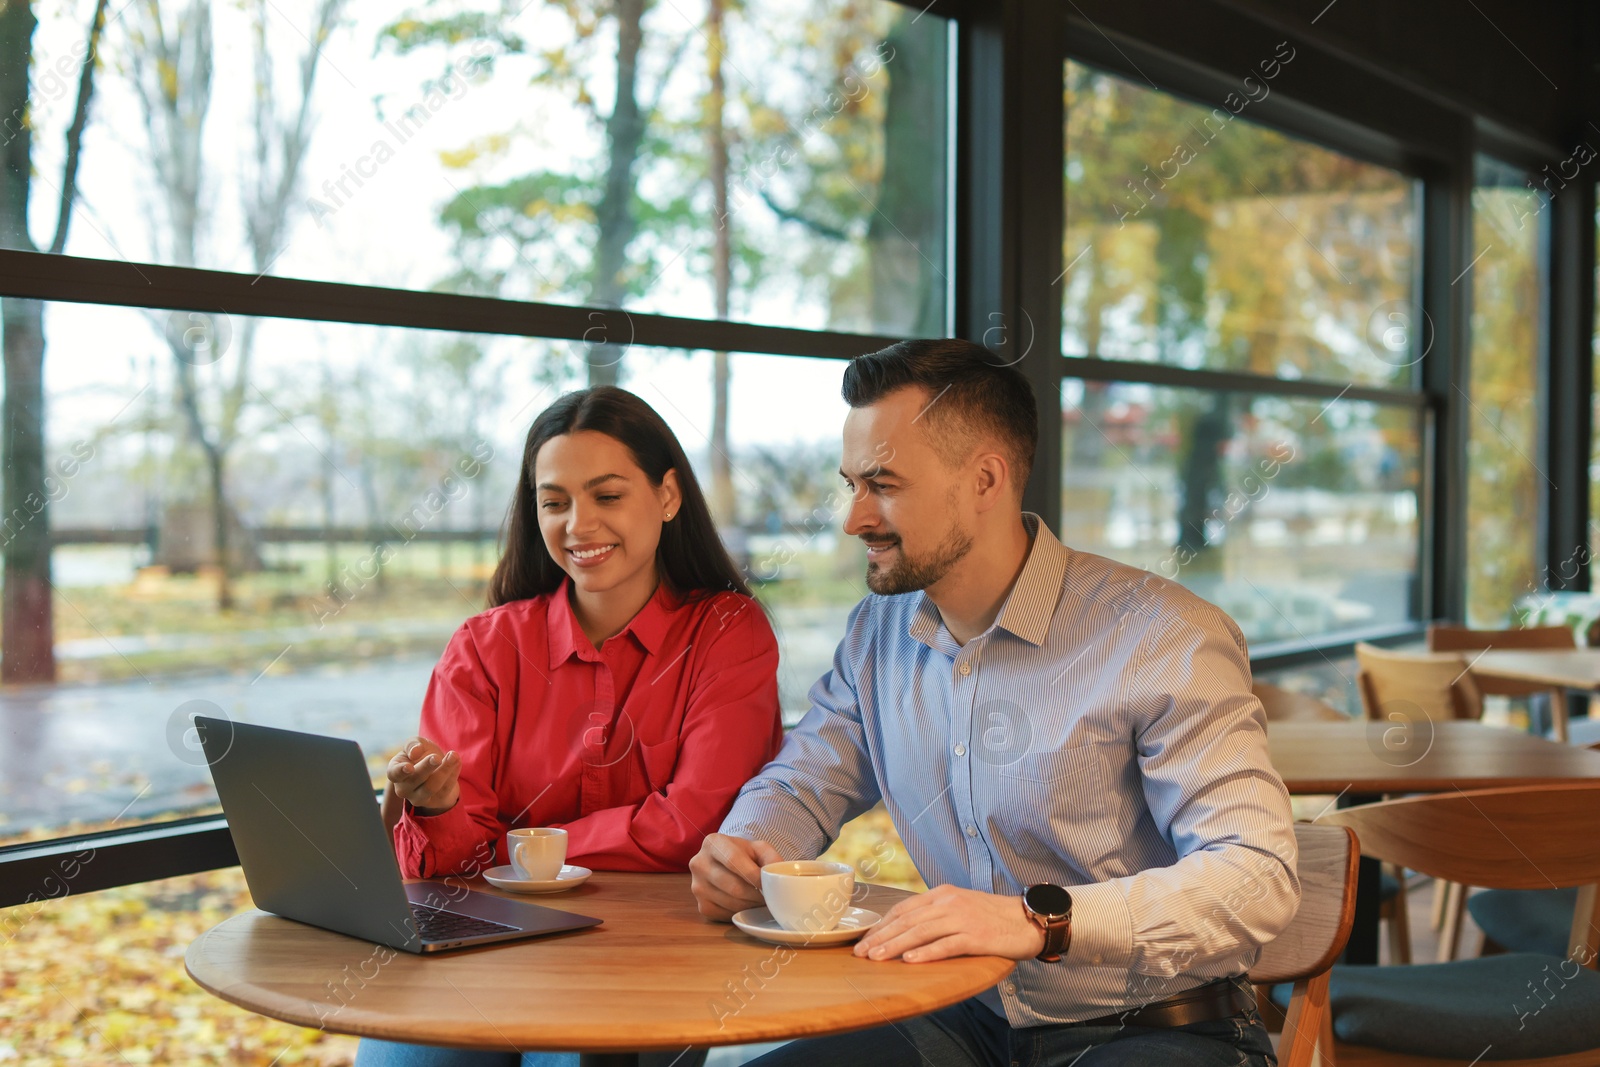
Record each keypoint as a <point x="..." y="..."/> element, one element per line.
<point x="567" y="639"/>
<point x="1031" y="603"/>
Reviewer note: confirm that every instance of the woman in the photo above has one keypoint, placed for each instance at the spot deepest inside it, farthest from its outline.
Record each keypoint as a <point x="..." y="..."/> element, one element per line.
<point x="622" y="684"/>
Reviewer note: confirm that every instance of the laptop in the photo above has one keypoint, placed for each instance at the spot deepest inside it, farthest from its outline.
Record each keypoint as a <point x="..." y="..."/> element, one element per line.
<point x="312" y="843"/>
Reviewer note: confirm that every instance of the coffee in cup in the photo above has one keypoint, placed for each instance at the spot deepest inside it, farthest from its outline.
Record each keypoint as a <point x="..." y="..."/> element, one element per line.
<point x="537" y="852"/>
<point x="808" y="896"/>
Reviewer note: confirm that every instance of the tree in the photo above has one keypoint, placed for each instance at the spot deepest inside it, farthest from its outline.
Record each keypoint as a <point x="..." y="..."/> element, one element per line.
<point x="1201" y="239"/>
<point x="520" y="211"/>
<point x="171" y="69"/>
<point x="26" y="610"/>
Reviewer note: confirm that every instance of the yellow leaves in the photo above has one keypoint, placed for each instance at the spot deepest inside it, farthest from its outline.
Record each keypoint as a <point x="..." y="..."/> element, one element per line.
<point x="488" y="147"/>
<point x="97" y="980"/>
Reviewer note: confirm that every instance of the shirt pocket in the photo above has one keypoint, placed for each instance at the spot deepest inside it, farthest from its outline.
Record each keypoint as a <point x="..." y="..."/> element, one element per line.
<point x="1054" y="803"/>
<point x="660" y="760"/>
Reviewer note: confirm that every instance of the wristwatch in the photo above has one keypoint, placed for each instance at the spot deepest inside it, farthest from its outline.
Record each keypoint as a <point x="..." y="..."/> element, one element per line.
<point x="1049" y="907"/>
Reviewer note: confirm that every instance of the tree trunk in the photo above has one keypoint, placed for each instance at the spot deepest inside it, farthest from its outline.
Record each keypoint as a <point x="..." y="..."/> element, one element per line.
<point x="614" y="215"/>
<point x="26" y="609"/>
<point x="722" y="502"/>
<point x="906" y="235"/>
<point x="28" y="617"/>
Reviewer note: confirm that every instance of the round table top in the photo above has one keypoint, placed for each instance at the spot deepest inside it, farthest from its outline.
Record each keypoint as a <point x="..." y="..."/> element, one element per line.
<point x="654" y="976"/>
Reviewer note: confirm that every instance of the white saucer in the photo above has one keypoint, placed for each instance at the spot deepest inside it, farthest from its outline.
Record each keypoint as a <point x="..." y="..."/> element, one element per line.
<point x="505" y="877"/>
<point x="759" y="923"/>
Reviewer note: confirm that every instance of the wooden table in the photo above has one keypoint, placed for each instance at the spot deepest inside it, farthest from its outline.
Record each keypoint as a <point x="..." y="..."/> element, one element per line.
<point x="1360" y="761"/>
<point x="655" y="976"/>
<point x="1384" y="757"/>
<point x="1560" y="669"/>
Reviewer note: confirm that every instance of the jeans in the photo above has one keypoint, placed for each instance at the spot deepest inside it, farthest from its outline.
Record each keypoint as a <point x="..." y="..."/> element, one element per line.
<point x="969" y="1034"/>
<point x="375" y="1053"/>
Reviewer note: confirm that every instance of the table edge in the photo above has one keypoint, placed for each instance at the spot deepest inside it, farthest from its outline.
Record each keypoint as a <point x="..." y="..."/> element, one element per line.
<point x="779" y="1027"/>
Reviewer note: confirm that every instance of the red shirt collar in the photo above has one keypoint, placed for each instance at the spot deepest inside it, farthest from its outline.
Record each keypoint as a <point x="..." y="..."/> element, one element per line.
<point x="566" y="636"/>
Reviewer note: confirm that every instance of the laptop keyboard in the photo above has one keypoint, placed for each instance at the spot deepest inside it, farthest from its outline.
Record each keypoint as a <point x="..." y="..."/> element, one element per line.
<point x="436" y="924"/>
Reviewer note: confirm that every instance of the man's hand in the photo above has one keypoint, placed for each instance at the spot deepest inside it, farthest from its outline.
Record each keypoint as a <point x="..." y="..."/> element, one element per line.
<point x="725" y="875"/>
<point x="946" y="921"/>
<point x="427" y="776"/>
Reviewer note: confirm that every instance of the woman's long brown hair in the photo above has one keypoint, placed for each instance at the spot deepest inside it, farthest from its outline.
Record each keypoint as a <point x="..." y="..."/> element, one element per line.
<point x="691" y="559"/>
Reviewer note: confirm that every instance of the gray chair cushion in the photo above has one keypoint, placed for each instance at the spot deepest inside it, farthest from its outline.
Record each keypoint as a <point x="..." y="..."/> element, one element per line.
<point x="1525" y="920"/>
<point x="1467" y="1009"/>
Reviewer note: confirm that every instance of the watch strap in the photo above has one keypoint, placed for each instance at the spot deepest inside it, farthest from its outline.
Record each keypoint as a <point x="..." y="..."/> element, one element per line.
<point x="1057" y="938"/>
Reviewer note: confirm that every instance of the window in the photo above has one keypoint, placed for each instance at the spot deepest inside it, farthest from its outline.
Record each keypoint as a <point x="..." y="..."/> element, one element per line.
<point x="794" y="174"/>
<point x="1505" y="473"/>
<point x="1299" y="518"/>
<point x="768" y="166"/>
<point x="1200" y="242"/>
<point x="369" y="471"/>
<point x="1201" y="239"/>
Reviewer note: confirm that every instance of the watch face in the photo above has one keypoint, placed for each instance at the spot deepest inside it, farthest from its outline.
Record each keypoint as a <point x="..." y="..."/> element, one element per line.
<point x="1047" y="899"/>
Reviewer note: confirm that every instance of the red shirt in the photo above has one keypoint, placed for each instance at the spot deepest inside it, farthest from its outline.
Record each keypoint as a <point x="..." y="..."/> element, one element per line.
<point x="636" y="748"/>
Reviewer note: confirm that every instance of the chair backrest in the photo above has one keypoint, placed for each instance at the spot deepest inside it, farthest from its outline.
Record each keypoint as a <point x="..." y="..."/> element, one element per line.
<point x="1516" y="837"/>
<point x="1285" y="704"/>
<point x="1437" y="683"/>
<point x="1446" y="637"/>
<point x="1316" y="935"/>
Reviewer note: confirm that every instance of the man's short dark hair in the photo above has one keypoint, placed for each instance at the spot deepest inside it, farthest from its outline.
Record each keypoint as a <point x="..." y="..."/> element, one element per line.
<point x="972" y="396"/>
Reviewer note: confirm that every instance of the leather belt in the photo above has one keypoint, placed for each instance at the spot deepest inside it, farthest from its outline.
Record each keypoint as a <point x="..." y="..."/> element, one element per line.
<point x="1214" y="1000"/>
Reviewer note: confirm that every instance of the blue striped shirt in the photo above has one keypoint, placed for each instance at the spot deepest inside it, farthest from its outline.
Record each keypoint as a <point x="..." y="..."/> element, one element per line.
<point x="1100" y="735"/>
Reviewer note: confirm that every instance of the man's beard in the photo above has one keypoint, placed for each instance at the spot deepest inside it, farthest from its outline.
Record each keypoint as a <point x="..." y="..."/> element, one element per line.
<point x="911" y="573"/>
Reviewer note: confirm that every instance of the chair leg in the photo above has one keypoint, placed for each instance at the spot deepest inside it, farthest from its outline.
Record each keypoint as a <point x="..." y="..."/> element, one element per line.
<point x="1455" y="906"/>
<point x="1325" y="1038"/>
<point x="1440" y="891"/>
<point x="1558" y="714"/>
<point x="1399" y="923"/>
<point x="1305" y="1024"/>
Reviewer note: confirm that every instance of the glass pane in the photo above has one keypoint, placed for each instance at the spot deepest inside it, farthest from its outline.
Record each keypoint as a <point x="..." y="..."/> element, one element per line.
<point x="791" y="173"/>
<point x="339" y="439"/>
<point x="1195" y="237"/>
<point x="1503" y="470"/>
<point x="1296" y="517"/>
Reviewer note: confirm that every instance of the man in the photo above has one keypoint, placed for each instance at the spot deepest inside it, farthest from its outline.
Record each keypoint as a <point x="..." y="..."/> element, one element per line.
<point x="1068" y="747"/>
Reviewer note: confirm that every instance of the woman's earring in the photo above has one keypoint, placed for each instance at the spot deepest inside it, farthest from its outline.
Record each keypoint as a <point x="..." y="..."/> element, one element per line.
<point x="668" y="517"/>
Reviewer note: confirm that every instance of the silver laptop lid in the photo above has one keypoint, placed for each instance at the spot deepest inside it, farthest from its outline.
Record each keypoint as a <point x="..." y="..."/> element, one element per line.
<point x="308" y="830"/>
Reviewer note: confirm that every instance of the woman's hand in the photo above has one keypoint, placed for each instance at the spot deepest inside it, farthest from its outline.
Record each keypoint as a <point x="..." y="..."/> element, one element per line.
<point x="426" y="776"/>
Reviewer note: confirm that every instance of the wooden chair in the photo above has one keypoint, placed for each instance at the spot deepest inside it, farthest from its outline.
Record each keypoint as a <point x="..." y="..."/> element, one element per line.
<point x="1427" y="1015"/>
<point x="1439" y="686"/>
<point x="1287" y="705"/>
<point x="1443" y="637"/>
<point x="1524" y="920"/>
<point x="1304" y="953"/>
<point x="1436" y="683"/>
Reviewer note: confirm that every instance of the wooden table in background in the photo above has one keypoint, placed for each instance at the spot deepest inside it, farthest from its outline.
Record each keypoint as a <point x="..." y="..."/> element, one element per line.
<point x="655" y="976"/>
<point x="1372" y="757"/>
<point x="1560" y="669"/>
<point x="1361" y="760"/>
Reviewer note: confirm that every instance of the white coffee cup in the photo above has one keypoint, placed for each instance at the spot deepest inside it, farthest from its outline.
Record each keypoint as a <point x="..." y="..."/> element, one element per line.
<point x="537" y="852"/>
<point x="808" y="896"/>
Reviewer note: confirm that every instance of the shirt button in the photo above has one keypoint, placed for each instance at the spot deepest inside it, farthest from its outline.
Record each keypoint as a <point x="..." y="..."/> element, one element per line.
<point x="972" y="831"/>
<point x="966" y="668"/>
<point x="961" y="750"/>
<point x="1009" y="989"/>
